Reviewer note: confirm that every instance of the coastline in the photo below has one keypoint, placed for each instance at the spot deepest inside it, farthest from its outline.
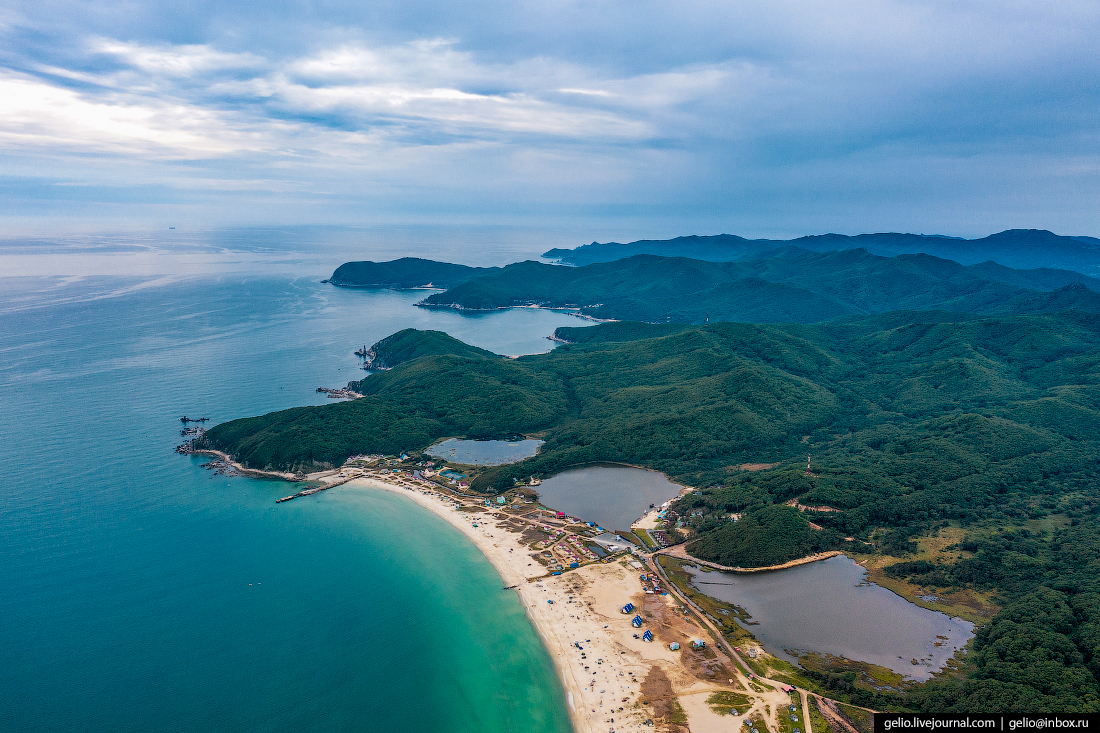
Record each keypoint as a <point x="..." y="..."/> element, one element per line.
<point x="680" y="553"/>
<point x="500" y="547"/>
<point x="621" y="680"/>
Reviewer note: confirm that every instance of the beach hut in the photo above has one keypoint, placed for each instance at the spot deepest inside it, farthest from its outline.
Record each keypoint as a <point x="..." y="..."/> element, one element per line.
<point x="636" y="622"/>
<point x="628" y="608"/>
<point x="647" y="636"/>
<point x="674" y="646"/>
<point x="698" y="644"/>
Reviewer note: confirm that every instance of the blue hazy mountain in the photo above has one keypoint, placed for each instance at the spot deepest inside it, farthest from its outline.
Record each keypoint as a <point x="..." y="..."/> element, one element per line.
<point x="1019" y="248"/>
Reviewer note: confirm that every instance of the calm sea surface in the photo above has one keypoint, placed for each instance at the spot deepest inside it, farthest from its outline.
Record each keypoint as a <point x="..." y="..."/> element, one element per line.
<point x="140" y="593"/>
<point x="829" y="607"/>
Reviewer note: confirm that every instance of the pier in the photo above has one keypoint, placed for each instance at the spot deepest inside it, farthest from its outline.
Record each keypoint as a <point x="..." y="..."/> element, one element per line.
<point x="316" y="489"/>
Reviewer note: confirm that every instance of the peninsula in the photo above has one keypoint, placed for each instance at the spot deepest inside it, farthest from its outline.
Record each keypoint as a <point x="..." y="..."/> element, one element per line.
<point x="954" y="455"/>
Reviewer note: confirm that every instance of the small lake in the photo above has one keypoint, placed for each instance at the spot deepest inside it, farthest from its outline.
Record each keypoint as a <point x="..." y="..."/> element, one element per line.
<point x="830" y="607"/>
<point x="484" y="452"/>
<point x="612" y="496"/>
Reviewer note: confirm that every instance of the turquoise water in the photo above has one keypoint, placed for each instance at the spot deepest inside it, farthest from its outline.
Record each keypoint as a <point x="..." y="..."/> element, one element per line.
<point x="139" y="593"/>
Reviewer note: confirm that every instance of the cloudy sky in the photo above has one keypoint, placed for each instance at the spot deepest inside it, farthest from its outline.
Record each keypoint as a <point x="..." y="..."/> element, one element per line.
<point x="760" y="118"/>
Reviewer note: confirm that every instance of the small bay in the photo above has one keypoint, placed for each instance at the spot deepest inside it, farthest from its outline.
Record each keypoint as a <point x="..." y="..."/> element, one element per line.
<point x="142" y="593"/>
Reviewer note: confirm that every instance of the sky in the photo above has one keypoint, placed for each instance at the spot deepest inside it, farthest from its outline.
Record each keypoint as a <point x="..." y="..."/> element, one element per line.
<point x="619" y="119"/>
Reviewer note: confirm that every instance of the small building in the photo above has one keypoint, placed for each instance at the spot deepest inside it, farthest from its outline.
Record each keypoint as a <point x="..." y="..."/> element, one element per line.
<point x="628" y="608"/>
<point x="698" y="644"/>
<point x="674" y="646"/>
<point x="647" y="636"/>
<point x="788" y="688"/>
<point x="501" y="500"/>
<point x="636" y="622"/>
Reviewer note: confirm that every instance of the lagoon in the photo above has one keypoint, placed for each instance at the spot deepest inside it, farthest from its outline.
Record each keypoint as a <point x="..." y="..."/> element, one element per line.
<point x="484" y="452"/>
<point x="612" y="496"/>
<point x="830" y="607"/>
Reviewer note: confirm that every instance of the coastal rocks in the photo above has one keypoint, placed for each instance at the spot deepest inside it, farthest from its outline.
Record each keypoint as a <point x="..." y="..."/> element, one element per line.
<point x="221" y="467"/>
<point x="344" y="393"/>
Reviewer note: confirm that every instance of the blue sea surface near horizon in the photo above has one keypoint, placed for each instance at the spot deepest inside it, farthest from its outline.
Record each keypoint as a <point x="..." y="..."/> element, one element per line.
<point x="140" y="592"/>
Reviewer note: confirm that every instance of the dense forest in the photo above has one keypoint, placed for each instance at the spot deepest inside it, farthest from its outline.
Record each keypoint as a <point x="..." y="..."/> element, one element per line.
<point x="405" y="273"/>
<point x="411" y="344"/>
<point x="783" y="286"/>
<point x="915" y="422"/>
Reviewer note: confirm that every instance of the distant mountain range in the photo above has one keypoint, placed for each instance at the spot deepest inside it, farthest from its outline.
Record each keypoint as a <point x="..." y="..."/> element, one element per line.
<point x="1020" y="248"/>
<point x="784" y="286"/>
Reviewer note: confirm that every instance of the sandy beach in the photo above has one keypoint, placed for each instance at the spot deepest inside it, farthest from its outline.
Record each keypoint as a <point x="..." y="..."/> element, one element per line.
<point x="612" y="680"/>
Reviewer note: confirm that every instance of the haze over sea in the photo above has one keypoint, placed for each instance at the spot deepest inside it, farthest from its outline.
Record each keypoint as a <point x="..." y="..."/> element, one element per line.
<point x="141" y="593"/>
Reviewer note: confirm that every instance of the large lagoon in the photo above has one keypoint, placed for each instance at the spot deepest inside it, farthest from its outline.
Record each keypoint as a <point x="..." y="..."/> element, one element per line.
<point x="612" y="496"/>
<point x="830" y="607"/>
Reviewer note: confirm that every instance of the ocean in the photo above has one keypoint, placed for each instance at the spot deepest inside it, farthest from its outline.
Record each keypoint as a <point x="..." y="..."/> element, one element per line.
<point x="138" y="592"/>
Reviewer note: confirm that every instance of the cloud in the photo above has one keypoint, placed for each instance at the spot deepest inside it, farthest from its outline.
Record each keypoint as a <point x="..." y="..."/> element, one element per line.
<point x="55" y="120"/>
<point x="182" y="61"/>
<point x="706" y="104"/>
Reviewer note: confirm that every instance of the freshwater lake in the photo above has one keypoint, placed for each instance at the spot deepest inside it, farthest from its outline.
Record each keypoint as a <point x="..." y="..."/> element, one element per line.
<point x="484" y="452"/>
<point x="830" y="607"/>
<point x="613" y="497"/>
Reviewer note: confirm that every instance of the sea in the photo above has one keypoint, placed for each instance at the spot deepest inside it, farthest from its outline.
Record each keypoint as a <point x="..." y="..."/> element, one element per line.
<point x="139" y="592"/>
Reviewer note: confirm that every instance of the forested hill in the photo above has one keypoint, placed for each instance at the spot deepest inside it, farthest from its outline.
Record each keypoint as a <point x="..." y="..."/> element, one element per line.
<point x="407" y="272"/>
<point x="989" y="427"/>
<point x="412" y="344"/>
<point x="1022" y="248"/>
<point x="785" y="286"/>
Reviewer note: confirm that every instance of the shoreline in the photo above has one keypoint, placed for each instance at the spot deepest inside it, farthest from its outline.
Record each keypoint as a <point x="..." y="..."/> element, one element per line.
<point x="621" y="681"/>
<point x="680" y="553"/>
<point x="613" y="680"/>
<point x="513" y="576"/>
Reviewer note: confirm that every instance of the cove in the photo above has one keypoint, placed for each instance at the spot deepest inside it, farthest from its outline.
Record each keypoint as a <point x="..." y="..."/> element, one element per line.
<point x="484" y="452"/>
<point x="140" y="592"/>
<point x="612" y="496"/>
<point x="830" y="607"/>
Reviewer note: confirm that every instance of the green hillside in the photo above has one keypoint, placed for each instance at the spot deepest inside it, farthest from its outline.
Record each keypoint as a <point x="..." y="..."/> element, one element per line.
<point x="989" y="427"/>
<point x="770" y="535"/>
<point x="412" y="344"/>
<point x="790" y="285"/>
<point x="407" y="272"/>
